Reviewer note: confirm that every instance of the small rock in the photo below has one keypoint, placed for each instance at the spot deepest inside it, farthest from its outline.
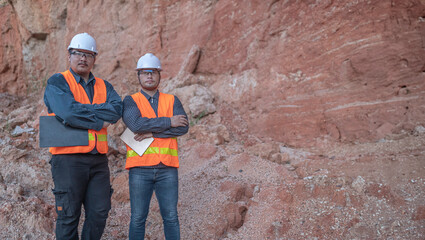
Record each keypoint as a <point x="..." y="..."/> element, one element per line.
<point x="359" y="184"/>
<point x="403" y="91"/>
<point x="420" y="129"/>
<point x="18" y="131"/>
<point x="20" y="190"/>
<point x="290" y="167"/>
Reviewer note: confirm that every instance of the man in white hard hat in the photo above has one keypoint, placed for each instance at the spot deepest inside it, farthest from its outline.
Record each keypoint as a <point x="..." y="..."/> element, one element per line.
<point x="81" y="173"/>
<point x="150" y="113"/>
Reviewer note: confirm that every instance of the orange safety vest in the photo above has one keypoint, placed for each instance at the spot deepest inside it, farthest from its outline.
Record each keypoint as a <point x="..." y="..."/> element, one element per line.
<point x="96" y="138"/>
<point x="163" y="150"/>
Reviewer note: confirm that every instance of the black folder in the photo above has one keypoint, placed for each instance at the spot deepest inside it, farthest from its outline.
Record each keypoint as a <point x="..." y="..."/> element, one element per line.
<point x="53" y="133"/>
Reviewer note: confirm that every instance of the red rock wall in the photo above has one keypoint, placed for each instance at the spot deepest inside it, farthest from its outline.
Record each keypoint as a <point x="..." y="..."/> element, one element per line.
<point x="11" y="65"/>
<point x="300" y="72"/>
<point x="277" y="92"/>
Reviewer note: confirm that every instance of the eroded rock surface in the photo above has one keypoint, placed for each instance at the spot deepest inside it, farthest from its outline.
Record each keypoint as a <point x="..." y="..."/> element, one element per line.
<point x="307" y="117"/>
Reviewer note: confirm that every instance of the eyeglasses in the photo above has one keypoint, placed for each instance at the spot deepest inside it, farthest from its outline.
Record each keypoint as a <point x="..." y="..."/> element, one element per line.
<point x="149" y="72"/>
<point x="81" y="54"/>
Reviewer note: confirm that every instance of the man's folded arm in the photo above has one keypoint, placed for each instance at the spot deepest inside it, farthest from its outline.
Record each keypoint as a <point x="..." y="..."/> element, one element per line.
<point x="59" y="100"/>
<point x="111" y="110"/>
<point x="136" y="123"/>
<point x="174" y="131"/>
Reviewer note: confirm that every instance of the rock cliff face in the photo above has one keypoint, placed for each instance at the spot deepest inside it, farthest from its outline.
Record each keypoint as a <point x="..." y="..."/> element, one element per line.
<point x="307" y="117"/>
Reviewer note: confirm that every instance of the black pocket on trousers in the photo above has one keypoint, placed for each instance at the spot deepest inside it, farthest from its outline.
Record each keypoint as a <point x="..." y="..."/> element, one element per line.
<point x="63" y="207"/>
<point x="111" y="191"/>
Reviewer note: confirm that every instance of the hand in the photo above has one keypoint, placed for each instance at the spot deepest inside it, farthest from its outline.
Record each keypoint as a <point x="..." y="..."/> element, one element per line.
<point x="106" y="124"/>
<point x="140" y="136"/>
<point x="179" y="121"/>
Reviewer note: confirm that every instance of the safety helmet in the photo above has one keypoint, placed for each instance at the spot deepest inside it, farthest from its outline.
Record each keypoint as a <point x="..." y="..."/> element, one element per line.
<point x="83" y="41"/>
<point x="149" y="61"/>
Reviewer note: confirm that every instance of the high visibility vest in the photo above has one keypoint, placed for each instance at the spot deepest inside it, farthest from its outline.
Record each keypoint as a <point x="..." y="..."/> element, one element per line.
<point x="161" y="150"/>
<point x="96" y="138"/>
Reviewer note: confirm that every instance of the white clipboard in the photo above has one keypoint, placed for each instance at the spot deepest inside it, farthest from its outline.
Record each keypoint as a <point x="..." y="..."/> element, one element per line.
<point x="138" y="147"/>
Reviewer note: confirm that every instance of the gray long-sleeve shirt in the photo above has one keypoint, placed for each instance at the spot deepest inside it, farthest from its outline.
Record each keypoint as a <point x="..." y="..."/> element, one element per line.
<point x="160" y="127"/>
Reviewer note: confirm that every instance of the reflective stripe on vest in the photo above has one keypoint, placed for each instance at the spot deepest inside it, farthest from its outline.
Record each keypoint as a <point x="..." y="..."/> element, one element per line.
<point x="154" y="150"/>
<point x="98" y="139"/>
<point x="169" y="151"/>
<point x="91" y="137"/>
<point x="161" y="150"/>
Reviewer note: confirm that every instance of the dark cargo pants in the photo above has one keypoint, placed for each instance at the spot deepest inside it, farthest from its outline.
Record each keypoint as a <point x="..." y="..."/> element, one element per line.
<point x="81" y="179"/>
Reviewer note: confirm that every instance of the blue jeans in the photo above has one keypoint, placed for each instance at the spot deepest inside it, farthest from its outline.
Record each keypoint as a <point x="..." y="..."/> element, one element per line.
<point x="142" y="183"/>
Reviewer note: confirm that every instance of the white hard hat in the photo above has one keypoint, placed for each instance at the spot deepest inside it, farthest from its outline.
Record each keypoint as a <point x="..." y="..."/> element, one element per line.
<point x="149" y="61"/>
<point x="83" y="41"/>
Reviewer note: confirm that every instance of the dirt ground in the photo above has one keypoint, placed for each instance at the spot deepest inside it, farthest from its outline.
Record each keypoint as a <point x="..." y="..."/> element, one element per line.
<point x="373" y="190"/>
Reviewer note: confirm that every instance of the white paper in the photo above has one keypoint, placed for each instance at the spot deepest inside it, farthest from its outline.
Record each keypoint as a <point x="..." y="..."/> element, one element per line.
<point x="138" y="147"/>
